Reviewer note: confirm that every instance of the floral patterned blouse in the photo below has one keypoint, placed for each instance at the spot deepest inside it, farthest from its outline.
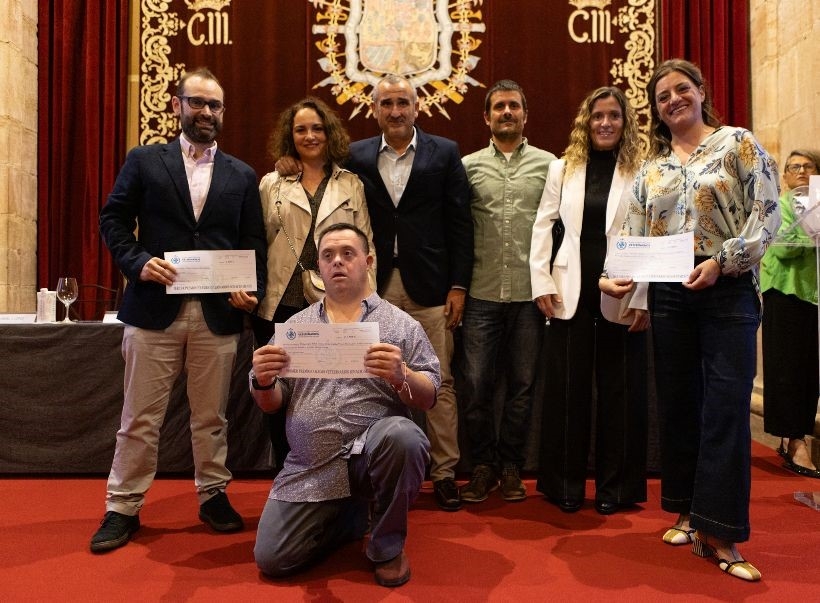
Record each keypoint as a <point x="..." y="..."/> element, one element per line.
<point x="726" y="192"/>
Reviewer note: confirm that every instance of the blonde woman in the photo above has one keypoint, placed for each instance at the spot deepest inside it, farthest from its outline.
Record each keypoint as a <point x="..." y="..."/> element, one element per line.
<point x="593" y="340"/>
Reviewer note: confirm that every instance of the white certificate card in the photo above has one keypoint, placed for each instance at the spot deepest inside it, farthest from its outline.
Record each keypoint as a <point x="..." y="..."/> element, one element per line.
<point x="213" y="271"/>
<point x="667" y="259"/>
<point x="326" y="351"/>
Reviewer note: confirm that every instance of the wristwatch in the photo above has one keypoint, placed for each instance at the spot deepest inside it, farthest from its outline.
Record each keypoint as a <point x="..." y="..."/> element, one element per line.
<point x="255" y="383"/>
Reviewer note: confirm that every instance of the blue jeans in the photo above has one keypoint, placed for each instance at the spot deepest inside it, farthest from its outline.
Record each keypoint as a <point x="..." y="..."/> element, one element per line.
<point x="705" y="361"/>
<point x="506" y="335"/>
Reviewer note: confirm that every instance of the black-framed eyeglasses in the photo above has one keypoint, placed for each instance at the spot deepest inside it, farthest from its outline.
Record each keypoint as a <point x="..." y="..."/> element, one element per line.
<point x="795" y="168"/>
<point x="197" y="102"/>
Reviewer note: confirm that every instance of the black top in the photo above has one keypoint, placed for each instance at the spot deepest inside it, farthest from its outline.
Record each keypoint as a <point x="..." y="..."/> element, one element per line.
<point x="600" y="170"/>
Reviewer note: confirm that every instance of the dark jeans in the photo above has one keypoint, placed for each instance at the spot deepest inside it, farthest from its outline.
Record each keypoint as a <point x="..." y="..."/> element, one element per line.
<point x="705" y="348"/>
<point x="594" y="363"/>
<point x="506" y="335"/>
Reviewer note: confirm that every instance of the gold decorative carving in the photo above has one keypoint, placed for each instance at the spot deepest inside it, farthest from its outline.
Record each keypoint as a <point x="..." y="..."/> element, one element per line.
<point x="595" y="4"/>
<point x="633" y="72"/>
<point x="215" y="5"/>
<point x="157" y="74"/>
<point x="436" y="54"/>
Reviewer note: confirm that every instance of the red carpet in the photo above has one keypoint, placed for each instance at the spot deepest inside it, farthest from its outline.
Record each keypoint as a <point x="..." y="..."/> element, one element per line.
<point x="492" y="551"/>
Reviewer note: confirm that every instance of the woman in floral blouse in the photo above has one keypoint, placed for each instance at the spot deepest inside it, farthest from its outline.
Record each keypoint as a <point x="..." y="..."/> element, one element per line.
<point x="719" y="183"/>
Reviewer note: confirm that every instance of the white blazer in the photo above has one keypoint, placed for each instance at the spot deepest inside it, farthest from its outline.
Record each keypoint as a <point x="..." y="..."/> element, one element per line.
<point x="567" y="201"/>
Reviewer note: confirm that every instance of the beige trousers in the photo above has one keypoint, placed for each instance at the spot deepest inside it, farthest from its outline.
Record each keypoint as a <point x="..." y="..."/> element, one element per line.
<point x="442" y="419"/>
<point x="153" y="361"/>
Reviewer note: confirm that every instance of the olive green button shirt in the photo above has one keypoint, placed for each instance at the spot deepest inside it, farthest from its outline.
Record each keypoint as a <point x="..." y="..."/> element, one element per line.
<point x="504" y="200"/>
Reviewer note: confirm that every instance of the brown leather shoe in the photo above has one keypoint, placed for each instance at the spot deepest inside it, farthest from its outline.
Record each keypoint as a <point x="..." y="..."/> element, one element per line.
<point x="394" y="572"/>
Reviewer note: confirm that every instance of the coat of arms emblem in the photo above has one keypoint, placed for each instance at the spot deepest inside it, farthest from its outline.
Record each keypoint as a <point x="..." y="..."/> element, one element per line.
<point x="431" y="42"/>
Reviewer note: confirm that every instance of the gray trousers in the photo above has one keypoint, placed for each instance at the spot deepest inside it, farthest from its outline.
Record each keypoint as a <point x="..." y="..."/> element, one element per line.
<point x="388" y="473"/>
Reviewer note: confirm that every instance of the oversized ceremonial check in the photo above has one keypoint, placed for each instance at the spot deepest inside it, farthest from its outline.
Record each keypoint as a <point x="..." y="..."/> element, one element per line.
<point x="213" y="271"/>
<point x="667" y="259"/>
<point x="326" y="351"/>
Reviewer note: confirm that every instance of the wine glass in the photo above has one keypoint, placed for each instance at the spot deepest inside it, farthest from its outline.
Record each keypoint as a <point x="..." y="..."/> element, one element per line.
<point x="67" y="292"/>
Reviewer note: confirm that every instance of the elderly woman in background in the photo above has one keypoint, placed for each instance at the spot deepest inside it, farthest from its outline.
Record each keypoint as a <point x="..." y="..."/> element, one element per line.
<point x="593" y="339"/>
<point x="296" y="209"/>
<point x="719" y="183"/>
<point x="788" y="278"/>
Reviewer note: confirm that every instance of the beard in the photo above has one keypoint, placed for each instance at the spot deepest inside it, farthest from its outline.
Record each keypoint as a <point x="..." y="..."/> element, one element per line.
<point x="200" y="129"/>
<point x="507" y="135"/>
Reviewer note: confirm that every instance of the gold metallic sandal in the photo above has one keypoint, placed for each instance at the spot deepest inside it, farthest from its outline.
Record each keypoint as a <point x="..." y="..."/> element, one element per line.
<point x="739" y="569"/>
<point x="678" y="536"/>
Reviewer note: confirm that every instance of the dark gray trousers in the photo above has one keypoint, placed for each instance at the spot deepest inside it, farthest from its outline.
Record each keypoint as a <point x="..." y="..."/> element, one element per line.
<point x="387" y="475"/>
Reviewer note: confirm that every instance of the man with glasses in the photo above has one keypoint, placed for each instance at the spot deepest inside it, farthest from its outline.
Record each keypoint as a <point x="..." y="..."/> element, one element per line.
<point x="184" y="195"/>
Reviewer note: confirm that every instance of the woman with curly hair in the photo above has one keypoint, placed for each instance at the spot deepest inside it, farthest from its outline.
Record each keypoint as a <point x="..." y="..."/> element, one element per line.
<point x="719" y="183"/>
<point x="593" y="341"/>
<point x="296" y="209"/>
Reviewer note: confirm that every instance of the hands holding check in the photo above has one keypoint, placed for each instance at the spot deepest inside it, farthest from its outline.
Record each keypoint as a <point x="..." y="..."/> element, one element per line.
<point x="158" y="270"/>
<point x="702" y="276"/>
<point x="382" y="360"/>
<point x="163" y="272"/>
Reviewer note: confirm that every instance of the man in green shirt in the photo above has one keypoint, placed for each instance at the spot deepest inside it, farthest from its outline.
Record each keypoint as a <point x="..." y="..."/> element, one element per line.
<point x="501" y="326"/>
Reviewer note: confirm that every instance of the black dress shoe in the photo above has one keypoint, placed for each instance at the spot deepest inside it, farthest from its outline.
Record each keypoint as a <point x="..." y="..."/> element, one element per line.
<point x="446" y="493"/>
<point x="800" y="469"/>
<point x="567" y="505"/>
<point x="570" y="505"/>
<point x="218" y="513"/>
<point x="606" y="508"/>
<point x="115" y="530"/>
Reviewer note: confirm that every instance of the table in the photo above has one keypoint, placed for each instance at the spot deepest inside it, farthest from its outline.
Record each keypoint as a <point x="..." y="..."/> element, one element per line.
<point x="61" y="392"/>
<point x="61" y="398"/>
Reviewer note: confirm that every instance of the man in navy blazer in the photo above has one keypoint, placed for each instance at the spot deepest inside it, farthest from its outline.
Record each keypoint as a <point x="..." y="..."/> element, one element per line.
<point x="182" y="196"/>
<point x="418" y="198"/>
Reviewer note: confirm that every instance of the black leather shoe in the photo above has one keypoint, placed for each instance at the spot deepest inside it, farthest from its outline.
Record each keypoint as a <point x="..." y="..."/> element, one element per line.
<point x="570" y="505"/>
<point x="218" y="513"/>
<point x="606" y="508"/>
<point x="115" y="531"/>
<point x="446" y="493"/>
<point x="567" y="505"/>
<point x="800" y="469"/>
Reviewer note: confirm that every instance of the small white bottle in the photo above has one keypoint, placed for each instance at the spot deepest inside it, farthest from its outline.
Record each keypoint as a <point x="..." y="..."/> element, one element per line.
<point x="51" y="306"/>
<point x="42" y="296"/>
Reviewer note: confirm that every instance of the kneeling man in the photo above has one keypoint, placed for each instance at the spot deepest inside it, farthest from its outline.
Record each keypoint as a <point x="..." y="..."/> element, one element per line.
<point x="357" y="460"/>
